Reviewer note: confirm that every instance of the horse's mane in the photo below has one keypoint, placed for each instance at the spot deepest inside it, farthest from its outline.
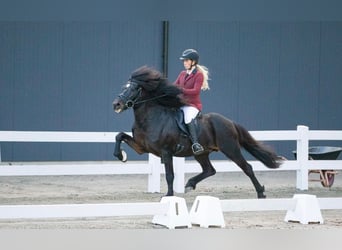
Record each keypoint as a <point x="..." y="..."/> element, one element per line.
<point x="158" y="87"/>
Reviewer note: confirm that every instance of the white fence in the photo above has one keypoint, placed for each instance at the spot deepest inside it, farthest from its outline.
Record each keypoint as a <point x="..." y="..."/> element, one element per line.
<point x="151" y="208"/>
<point x="275" y="204"/>
<point x="153" y="168"/>
<point x="82" y="210"/>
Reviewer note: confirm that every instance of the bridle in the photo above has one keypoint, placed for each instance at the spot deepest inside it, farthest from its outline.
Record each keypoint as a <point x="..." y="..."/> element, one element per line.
<point x="134" y="100"/>
<point x="130" y="101"/>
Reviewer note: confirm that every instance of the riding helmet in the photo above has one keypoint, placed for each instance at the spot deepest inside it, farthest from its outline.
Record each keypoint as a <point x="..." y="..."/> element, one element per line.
<point x="190" y="54"/>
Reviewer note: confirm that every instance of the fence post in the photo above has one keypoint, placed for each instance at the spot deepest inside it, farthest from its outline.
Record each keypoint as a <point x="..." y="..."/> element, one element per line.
<point x="302" y="158"/>
<point x="179" y="168"/>
<point x="154" y="176"/>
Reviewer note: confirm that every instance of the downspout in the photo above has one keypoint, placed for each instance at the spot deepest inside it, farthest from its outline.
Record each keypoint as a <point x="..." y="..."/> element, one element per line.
<point x="165" y="52"/>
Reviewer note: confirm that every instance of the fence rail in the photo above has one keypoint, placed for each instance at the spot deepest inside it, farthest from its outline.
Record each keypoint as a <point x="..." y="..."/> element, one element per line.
<point x="152" y="167"/>
<point x="275" y="204"/>
<point x="82" y="210"/>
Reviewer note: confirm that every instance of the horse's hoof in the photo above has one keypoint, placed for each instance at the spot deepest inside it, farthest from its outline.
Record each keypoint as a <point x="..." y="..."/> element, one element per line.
<point x="124" y="156"/>
<point x="261" y="196"/>
<point x="189" y="189"/>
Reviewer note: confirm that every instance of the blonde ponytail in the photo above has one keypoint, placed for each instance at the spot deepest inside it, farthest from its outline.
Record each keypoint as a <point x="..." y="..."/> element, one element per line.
<point x="205" y="72"/>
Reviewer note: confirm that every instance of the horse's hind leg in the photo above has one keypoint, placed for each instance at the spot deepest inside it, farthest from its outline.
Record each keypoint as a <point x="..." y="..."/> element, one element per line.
<point x="236" y="156"/>
<point x="207" y="170"/>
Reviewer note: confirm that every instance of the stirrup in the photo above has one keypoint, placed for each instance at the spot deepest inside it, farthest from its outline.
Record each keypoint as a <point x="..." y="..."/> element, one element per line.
<point x="197" y="148"/>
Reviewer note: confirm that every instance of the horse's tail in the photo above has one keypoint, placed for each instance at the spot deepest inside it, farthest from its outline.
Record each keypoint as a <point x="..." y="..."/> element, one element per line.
<point x="260" y="151"/>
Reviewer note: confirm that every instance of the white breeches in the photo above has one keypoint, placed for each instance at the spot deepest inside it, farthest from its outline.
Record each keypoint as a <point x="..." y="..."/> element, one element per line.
<point x="190" y="113"/>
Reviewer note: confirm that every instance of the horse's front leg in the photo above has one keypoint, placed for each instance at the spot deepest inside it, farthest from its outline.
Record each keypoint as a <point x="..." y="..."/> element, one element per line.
<point x="169" y="173"/>
<point x="129" y="140"/>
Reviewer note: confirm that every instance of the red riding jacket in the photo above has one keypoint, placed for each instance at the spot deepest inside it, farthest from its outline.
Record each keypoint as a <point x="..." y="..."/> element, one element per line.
<point x="191" y="86"/>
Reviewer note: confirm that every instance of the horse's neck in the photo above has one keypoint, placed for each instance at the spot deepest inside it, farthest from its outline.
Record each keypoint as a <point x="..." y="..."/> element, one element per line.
<point x="151" y="113"/>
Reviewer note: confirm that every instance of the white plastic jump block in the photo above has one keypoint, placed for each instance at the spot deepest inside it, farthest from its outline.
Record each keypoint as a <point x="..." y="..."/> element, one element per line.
<point x="306" y="210"/>
<point x="206" y="211"/>
<point x="176" y="216"/>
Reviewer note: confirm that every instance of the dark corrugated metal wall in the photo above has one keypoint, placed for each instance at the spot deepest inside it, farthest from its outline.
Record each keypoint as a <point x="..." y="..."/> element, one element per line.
<point x="288" y="71"/>
<point x="64" y="76"/>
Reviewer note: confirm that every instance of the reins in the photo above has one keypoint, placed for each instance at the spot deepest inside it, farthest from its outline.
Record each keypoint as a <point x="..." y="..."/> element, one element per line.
<point x="150" y="99"/>
<point x="134" y="101"/>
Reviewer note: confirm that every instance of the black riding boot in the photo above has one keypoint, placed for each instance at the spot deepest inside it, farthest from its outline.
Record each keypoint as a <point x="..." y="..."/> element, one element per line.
<point x="196" y="147"/>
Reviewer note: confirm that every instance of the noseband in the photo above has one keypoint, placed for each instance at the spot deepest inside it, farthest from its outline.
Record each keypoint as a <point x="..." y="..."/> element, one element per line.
<point x="130" y="102"/>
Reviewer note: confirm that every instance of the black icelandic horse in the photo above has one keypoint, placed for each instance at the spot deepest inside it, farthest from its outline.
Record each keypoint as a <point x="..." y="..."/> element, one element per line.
<point x="156" y="104"/>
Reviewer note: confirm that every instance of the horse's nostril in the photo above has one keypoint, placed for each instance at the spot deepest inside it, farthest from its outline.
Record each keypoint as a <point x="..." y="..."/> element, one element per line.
<point x="117" y="106"/>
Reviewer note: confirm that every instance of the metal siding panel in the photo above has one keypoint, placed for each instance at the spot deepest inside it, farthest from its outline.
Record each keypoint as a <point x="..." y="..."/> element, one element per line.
<point x="85" y="75"/>
<point x="85" y="66"/>
<point x="299" y="74"/>
<point x="37" y="76"/>
<point x="7" y="46"/>
<point x="37" y="90"/>
<point x="258" y="75"/>
<point x="330" y="89"/>
<point x="65" y="76"/>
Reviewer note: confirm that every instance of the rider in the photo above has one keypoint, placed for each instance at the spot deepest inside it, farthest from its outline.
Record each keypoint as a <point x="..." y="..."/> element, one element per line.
<point x="191" y="81"/>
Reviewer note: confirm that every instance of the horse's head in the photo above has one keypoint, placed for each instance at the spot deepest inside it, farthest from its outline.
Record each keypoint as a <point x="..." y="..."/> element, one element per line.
<point x="128" y="97"/>
<point x="147" y="85"/>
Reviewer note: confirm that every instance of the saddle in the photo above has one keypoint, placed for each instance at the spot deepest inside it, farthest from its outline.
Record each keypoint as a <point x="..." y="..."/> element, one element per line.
<point x="179" y="117"/>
